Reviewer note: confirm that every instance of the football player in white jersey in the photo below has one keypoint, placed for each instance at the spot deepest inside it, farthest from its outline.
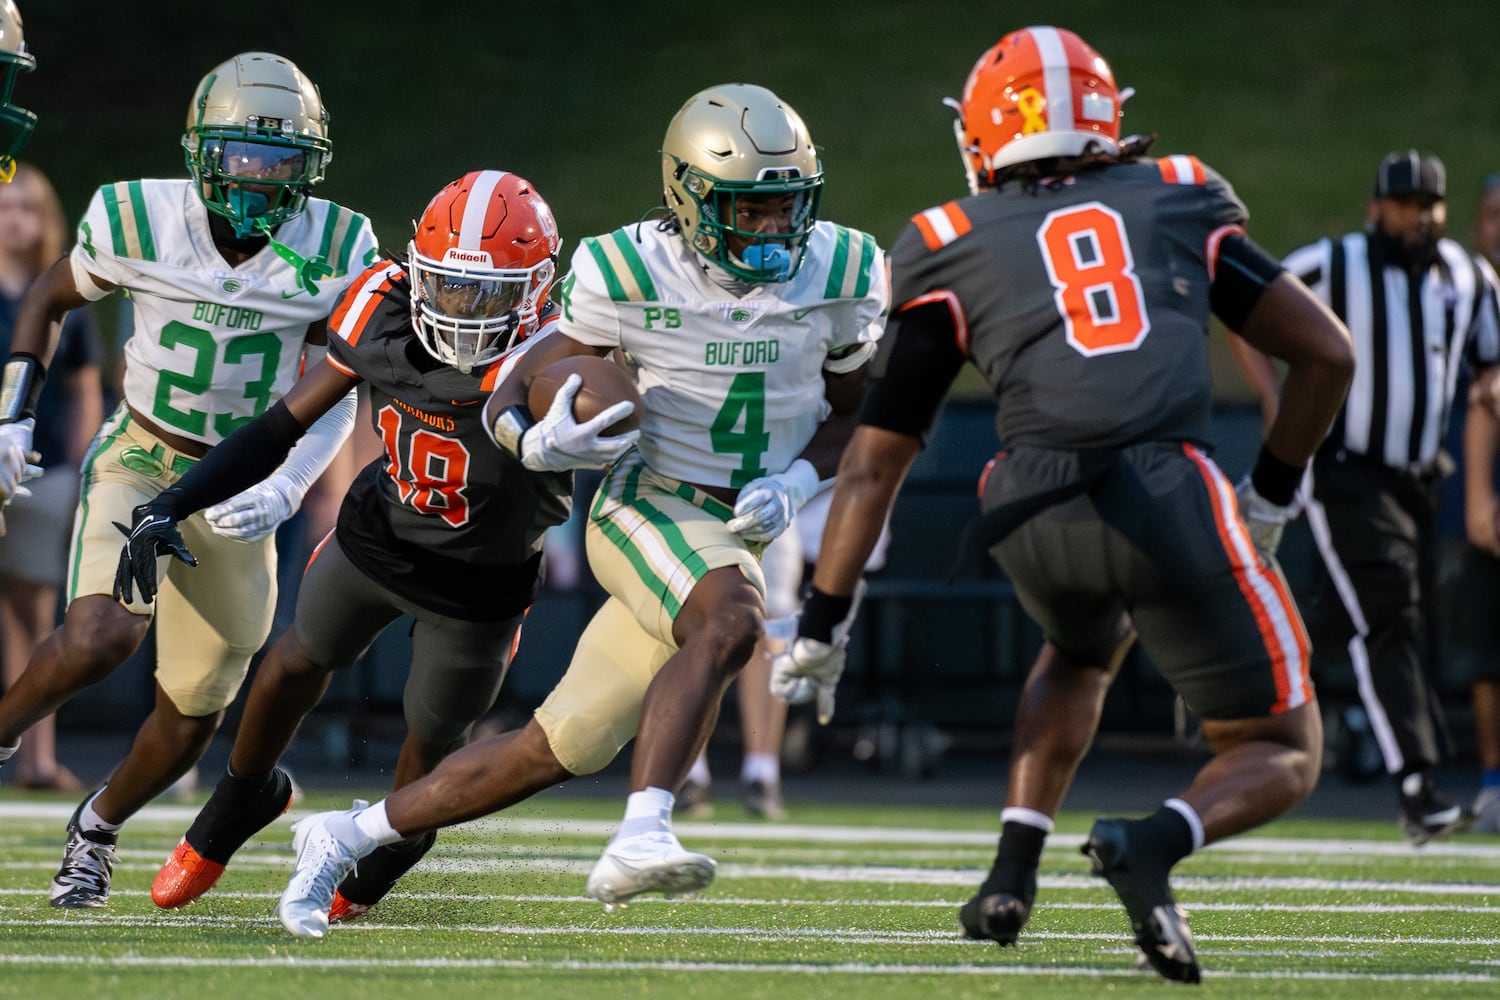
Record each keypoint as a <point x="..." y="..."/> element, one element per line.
<point x="16" y="126"/>
<point x="747" y="322"/>
<point x="230" y="275"/>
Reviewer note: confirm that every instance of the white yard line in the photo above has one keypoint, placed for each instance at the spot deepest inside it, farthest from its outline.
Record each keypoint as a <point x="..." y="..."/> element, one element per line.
<point x="532" y="965"/>
<point x="782" y="832"/>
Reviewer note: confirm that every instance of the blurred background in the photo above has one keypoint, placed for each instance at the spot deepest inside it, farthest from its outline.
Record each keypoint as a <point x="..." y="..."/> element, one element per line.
<point x="1293" y="102"/>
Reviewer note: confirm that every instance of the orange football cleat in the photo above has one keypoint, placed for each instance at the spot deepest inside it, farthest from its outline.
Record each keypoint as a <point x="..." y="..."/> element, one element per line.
<point x="343" y="911"/>
<point x="186" y="876"/>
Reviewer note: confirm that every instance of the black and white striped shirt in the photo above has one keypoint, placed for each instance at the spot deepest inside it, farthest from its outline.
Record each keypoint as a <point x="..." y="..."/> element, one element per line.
<point x="1410" y="341"/>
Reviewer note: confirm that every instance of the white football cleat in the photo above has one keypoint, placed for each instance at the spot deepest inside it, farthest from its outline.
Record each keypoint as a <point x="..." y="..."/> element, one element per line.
<point x="329" y="846"/>
<point x="648" y="862"/>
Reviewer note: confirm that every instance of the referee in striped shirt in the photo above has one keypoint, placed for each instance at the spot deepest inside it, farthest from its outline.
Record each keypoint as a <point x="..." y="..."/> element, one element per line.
<point x="1418" y="306"/>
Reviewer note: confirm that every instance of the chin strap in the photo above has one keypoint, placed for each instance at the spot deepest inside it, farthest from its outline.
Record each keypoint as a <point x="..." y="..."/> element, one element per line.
<point x="310" y="270"/>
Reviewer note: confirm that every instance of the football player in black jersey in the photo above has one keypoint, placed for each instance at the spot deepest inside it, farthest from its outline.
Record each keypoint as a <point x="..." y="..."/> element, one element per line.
<point x="444" y="526"/>
<point x="1079" y="278"/>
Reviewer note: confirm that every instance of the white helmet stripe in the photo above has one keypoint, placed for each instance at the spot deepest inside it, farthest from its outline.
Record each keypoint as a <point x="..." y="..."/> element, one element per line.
<point x="471" y="230"/>
<point x="1058" y="79"/>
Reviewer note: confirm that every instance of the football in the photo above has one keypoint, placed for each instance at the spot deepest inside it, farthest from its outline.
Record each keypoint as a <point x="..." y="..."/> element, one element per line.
<point x="604" y="384"/>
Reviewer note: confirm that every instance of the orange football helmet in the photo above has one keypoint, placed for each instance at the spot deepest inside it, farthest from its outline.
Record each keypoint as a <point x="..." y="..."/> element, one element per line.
<point x="482" y="263"/>
<point x="1037" y="93"/>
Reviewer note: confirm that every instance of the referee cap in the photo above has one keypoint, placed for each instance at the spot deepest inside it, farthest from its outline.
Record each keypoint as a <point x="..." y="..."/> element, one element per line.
<point x="1411" y="173"/>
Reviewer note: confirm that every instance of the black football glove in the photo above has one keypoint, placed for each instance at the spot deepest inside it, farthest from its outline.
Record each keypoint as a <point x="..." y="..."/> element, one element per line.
<point x="152" y="533"/>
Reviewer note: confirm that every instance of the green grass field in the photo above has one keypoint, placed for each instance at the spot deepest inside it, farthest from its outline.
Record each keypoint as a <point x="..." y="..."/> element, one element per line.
<point x="841" y="901"/>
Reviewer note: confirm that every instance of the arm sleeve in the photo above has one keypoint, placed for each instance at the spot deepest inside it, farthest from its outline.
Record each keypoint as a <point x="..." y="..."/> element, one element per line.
<point x="918" y="360"/>
<point x="1242" y="273"/>
<point x="316" y="450"/>
<point x="235" y="464"/>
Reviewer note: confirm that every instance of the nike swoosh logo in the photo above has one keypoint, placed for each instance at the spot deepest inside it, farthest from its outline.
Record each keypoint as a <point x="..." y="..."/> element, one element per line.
<point x="472" y="402"/>
<point x="293" y="294"/>
<point x="797" y="316"/>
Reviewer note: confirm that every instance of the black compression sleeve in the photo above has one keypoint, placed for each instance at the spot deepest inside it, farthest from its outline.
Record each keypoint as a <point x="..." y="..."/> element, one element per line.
<point x="1242" y="273"/>
<point x="238" y="462"/>
<point x="918" y="359"/>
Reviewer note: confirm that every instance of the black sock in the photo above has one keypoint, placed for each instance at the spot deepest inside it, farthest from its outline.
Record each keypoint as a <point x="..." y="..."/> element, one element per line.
<point x="1164" y="836"/>
<point x="378" y="871"/>
<point x="239" y="807"/>
<point x="1016" y="862"/>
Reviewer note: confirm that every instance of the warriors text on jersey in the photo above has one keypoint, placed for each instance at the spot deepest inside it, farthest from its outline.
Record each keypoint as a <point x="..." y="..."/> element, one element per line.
<point x="732" y="380"/>
<point x="1083" y="302"/>
<point x="213" y="345"/>
<point x="445" y="518"/>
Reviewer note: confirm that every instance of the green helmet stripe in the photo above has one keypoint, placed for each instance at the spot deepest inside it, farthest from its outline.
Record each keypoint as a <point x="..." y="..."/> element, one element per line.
<point x="625" y="274"/>
<point x="129" y="223"/>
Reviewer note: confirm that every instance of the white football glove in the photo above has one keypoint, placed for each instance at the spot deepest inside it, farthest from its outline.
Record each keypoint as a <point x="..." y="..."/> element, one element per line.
<point x="257" y="512"/>
<point x="558" y="442"/>
<point x="811" y="669"/>
<point x="16" y="459"/>
<point x="1263" y="519"/>
<point x="765" y="506"/>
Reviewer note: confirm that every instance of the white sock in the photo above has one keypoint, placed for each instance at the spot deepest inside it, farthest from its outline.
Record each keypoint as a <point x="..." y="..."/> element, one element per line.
<point x="698" y="773"/>
<point x="374" y="823"/>
<point x="1194" y="821"/>
<point x="1026" y="817"/>
<point x="648" y="811"/>
<point x="761" y="766"/>
<point x="90" y="820"/>
<point x="6" y="753"/>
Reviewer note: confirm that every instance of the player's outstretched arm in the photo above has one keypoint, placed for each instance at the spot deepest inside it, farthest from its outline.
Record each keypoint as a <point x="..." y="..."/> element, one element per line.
<point x="238" y="462"/>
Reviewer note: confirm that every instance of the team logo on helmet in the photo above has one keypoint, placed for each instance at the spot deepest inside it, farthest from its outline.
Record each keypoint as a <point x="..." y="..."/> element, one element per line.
<point x="1038" y="93"/>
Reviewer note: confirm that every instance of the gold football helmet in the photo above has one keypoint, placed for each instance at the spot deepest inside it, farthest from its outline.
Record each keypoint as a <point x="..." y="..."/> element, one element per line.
<point x="16" y="123"/>
<point x="256" y="140"/>
<point x="734" y="144"/>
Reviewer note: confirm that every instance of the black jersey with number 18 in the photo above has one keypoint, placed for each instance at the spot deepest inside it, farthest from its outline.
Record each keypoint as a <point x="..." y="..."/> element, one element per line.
<point x="445" y="518"/>
<point x="1083" y="301"/>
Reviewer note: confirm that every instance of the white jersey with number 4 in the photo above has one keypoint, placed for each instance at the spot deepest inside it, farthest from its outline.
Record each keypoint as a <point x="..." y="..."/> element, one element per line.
<point x="732" y="379"/>
<point x="213" y="345"/>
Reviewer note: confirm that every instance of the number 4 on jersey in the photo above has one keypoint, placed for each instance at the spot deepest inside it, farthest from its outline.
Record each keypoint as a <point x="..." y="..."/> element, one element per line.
<point x="1092" y="271"/>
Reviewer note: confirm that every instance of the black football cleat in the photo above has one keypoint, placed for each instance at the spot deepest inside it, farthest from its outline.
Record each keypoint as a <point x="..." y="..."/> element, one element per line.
<point x="997" y="917"/>
<point x="88" y="863"/>
<point x="1425" y="814"/>
<point x="1160" y="925"/>
<point x="375" y="876"/>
